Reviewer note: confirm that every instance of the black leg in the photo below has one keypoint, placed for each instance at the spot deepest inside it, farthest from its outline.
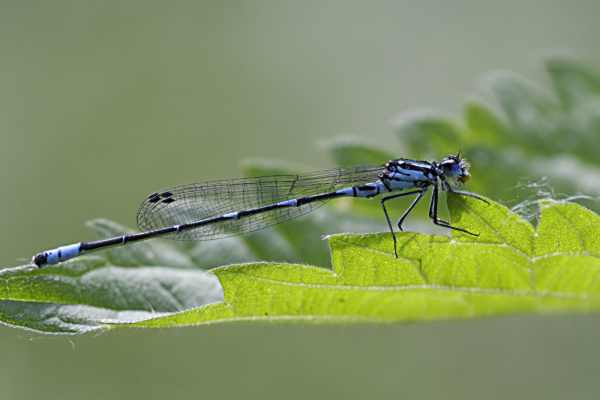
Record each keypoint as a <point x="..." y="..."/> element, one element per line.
<point x="387" y="217"/>
<point x="434" y="214"/>
<point x="410" y="208"/>
<point x="434" y="204"/>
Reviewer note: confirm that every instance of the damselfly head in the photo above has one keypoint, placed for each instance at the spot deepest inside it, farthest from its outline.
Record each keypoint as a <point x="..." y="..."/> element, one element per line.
<point x="455" y="168"/>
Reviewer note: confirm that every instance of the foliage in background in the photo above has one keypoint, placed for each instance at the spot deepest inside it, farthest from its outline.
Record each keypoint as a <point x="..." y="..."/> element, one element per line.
<point x="525" y="143"/>
<point x="529" y="134"/>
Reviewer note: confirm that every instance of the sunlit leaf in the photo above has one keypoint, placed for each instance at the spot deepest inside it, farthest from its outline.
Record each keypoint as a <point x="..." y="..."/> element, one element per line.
<point x="435" y="277"/>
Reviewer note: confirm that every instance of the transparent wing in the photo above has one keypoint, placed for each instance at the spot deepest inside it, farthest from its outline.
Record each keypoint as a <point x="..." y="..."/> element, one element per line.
<point x="198" y="201"/>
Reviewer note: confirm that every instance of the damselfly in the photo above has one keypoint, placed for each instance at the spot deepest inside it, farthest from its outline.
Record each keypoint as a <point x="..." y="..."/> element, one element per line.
<point x="218" y="209"/>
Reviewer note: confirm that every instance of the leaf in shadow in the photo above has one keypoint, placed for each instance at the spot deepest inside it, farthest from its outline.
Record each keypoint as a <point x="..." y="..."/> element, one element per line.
<point x="349" y="152"/>
<point x="100" y="292"/>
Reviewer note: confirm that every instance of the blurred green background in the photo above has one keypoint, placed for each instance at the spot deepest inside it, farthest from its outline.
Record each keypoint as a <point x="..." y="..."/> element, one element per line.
<point x="104" y="102"/>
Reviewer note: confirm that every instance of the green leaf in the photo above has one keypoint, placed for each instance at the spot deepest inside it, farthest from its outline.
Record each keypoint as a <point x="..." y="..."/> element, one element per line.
<point x="511" y="267"/>
<point x="428" y="134"/>
<point x="538" y="123"/>
<point x="527" y="134"/>
<point x="522" y="101"/>
<point x="483" y="125"/>
<point x="567" y="229"/>
<point x="499" y="273"/>
<point x="90" y="292"/>
<point x="573" y="81"/>
<point x="352" y="152"/>
<point x="294" y="240"/>
<point x="494" y="224"/>
<point x="300" y="240"/>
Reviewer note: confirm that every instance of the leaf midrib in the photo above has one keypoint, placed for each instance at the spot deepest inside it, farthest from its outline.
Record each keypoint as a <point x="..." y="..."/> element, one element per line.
<point x="401" y="288"/>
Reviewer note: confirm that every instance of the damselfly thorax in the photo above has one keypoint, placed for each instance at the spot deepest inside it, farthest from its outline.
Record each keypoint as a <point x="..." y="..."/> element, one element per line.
<point x="217" y="209"/>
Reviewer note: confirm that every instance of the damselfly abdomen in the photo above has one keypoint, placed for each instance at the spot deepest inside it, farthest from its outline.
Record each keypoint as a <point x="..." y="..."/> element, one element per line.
<point x="213" y="210"/>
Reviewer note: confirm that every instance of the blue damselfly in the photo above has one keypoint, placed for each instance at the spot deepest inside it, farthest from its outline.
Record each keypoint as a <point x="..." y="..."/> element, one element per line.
<point x="217" y="209"/>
